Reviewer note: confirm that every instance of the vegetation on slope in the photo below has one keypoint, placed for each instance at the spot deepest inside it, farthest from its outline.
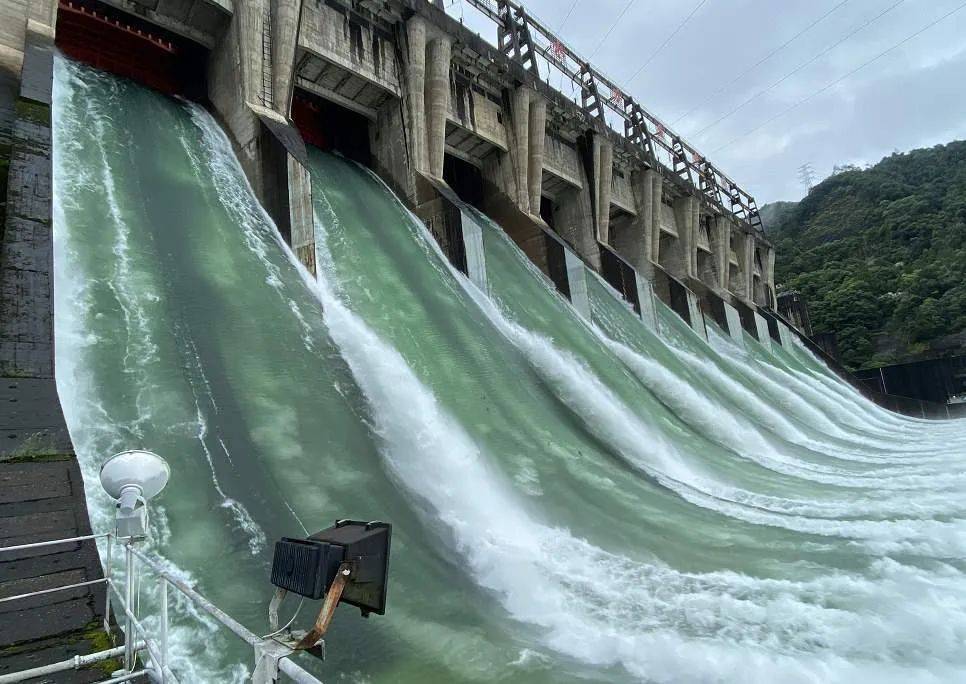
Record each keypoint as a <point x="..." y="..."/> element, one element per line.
<point x="880" y="254"/>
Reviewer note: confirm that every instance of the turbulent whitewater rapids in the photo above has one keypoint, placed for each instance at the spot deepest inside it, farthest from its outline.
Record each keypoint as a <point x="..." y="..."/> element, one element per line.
<point x="572" y="499"/>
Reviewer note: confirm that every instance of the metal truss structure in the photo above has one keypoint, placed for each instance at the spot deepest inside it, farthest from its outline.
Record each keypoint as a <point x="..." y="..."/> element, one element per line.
<point x="516" y="33"/>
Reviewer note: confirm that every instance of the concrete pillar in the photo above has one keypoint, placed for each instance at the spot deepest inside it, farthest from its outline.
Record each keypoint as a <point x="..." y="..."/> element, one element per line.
<point x="415" y="90"/>
<point x="746" y="257"/>
<point x="285" y="30"/>
<point x="631" y="236"/>
<point x="43" y="13"/>
<point x="537" y="135"/>
<point x="680" y="257"/>
<point x="235" y="68"/>
<point x="693" y="242"/>
<point x="248" y="22"/>
<point x="769" y="276"/>
<point x="437" y="102"/>
<point x="657" y="202"/>
<point x="603" y="177"/>
<point x="643" y="188"/>
<point x="520" y="157"/>
<point x="720" y="248"/>
<point x="695" y="227"/>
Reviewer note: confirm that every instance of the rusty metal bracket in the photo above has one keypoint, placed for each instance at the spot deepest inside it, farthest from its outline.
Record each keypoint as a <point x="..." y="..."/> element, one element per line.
<point x="327" y="612"/>
<point x="276" y="601"/>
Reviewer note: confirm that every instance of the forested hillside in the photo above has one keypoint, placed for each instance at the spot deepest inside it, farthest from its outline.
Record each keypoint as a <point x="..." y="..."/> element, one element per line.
<point x="880" y="254"/>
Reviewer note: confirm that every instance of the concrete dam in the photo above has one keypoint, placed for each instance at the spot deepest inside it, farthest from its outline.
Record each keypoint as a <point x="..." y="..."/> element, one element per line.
<point x="347" y="258"/>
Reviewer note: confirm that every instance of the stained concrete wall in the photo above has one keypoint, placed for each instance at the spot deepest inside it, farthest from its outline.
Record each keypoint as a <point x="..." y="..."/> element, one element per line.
<point x="573" y="221"/>
<point x="676" y="253"/>
<point x="603" y="172"/>
<point x="621" y="194"/>
<point x="251" y="91"/>
<point x="742" y="254"/>
<point x="231" y="77"/>
<point x="479" y="115"/>
<point x="390" y="142"/>
<point x="561" y="159"/>
<point x="326" y="32"/>
<point x="41" y="488"/>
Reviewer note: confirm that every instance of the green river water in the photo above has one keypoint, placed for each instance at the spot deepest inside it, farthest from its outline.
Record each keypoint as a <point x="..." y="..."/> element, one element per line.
<point x="572" y="500"/>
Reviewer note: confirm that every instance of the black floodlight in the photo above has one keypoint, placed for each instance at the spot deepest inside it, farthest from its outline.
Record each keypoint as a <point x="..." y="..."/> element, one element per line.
<point x="366" y="551"/>
<point x="347" y="563"/>
<point x="305" y="567"/>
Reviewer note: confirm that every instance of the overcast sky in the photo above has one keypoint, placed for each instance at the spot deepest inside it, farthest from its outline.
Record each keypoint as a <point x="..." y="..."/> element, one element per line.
<point x="913" y="96"/>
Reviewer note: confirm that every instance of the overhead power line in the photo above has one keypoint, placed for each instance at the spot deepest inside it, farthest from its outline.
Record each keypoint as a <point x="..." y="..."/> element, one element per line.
<point x="567" y="16"/>
<point x="800" y="67"/>
<point x="611" y="29"/>
<point x="666" y="41"/>
<point x="844" y="76"/>
<point x="761" y="61"/>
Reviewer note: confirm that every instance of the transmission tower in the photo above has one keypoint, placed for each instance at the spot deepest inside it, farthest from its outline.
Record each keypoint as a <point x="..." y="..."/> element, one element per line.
<point x="806" y="174"/>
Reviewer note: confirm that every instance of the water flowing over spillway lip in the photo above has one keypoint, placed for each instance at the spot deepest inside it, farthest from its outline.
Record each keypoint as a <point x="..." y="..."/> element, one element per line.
<point x="575" y="499"/>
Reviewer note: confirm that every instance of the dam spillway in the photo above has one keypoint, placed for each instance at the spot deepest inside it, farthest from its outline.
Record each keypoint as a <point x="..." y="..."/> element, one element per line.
<point x="576" y="496"/>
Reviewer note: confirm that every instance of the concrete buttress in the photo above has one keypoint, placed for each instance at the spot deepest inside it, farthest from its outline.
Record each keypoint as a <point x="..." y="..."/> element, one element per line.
<point x="285" y="30"/>
<point x="746" y="257"/>
<point x="415" y="91"/>
<point x="679" y="255"/>
<point x="657" y="200"/>
<point x="603" y="176"/>
<point x="519" y="156"/>
<point x="720" y="246"/>
<point x="438" y="56"/>
<point x="695" y="225"/>
<point x="537" y="139"/>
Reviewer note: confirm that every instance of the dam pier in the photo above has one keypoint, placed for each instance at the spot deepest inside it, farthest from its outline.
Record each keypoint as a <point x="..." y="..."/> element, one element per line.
<point x="423" y="101"/>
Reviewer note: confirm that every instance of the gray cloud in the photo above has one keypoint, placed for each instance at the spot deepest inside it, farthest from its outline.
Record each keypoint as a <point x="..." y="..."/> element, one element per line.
<point x="912" y="97"/>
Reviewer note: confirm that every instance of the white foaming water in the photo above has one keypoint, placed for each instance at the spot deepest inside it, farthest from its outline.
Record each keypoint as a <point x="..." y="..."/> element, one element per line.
<point x="194" y="637"/>
<point x="615" y="424"/>
<point x="237" y="197"/>
<point x="813" y="407"/>
<point x="732" y="430"/>
<point x="882" y="621"/>
<point x="657" y="623"/>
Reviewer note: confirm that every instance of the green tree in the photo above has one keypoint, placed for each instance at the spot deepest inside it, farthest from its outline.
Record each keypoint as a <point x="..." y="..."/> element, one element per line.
<point x="880" y="253"/>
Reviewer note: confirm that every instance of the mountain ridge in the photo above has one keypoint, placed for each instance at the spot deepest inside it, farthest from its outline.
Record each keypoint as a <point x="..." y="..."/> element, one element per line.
<point x="880" y="255"/>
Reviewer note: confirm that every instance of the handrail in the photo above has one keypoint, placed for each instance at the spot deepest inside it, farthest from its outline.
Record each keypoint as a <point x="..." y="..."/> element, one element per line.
<point x="65" y="587"/>
<point x="136" y="636"/>
<point x="75" y="663"/>
<point x="54" y="542"/>
<point x="224" y="618"/>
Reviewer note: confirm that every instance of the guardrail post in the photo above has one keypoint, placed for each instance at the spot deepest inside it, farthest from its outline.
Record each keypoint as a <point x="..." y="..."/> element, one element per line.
<point x="163" y="586"/>
<point x="107" y="586"/>
<point x="128" y="600"/>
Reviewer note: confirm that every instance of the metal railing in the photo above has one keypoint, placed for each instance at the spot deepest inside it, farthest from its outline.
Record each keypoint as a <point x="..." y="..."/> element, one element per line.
<point x="270" y="656"/>
<point x="523" y="37"/>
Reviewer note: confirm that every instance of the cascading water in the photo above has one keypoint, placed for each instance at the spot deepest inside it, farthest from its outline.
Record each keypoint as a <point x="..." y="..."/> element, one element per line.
<point x="572" y="500"/>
